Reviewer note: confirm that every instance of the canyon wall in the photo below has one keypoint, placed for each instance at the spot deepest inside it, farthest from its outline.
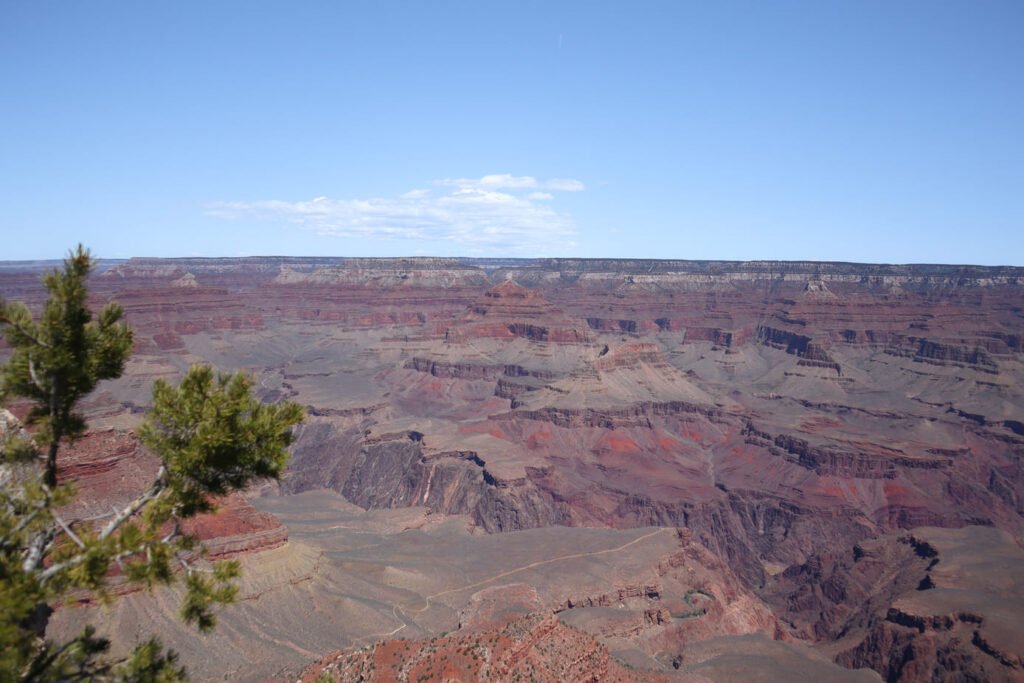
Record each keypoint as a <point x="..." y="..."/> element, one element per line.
<point x="784" y="413"/>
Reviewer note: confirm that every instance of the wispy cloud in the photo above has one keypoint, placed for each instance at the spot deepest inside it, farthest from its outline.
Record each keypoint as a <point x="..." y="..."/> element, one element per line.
<point x="504" y="181"/>
<point x="501" y="211"/>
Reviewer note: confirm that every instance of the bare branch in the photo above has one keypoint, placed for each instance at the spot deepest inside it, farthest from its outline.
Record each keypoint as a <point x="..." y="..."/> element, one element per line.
<point x="95" y="518"/>
<point x="32" y="374"/>
<point x="175" y="530"/>
<point x="58" y="567"/>
<point x="159" y="485"/>
<point x="190" y="569"/>
<point x="37" y="549"/>
<point x="68" y="531"/>
<point x="120" y="517"/>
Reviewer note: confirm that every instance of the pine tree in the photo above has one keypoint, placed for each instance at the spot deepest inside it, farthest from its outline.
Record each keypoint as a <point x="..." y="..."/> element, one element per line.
<point x="211" y="435"/>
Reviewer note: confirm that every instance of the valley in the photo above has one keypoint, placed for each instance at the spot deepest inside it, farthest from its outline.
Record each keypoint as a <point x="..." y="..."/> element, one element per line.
<point x="670" y="470"/>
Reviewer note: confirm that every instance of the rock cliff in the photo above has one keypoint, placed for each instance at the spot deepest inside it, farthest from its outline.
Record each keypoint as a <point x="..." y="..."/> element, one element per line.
<point x="784" y="413"/>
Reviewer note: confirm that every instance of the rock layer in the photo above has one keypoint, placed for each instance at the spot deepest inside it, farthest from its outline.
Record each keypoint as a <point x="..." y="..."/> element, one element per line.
<point x="783" y="413"/>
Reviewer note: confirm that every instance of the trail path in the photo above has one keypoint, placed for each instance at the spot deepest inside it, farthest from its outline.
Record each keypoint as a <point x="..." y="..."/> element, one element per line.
<point x="539" y="563"/>
<point x="562" y="558"/>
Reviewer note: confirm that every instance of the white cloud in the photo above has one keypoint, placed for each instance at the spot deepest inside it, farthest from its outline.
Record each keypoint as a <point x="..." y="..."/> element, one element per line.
<point x="505" y="181"/>
<point x="564" y="185"/>
<point x="495" y="212"/>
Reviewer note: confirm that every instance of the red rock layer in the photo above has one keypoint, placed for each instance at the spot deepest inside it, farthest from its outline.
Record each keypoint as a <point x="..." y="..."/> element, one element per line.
<point x="533" y="648"/>
<point x="110" y="467"/>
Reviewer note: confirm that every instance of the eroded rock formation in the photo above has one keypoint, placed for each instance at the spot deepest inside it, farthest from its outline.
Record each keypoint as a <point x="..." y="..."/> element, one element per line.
<point x="795" y="418"/>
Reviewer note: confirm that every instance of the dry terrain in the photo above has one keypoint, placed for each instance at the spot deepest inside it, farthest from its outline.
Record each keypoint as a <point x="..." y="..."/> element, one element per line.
<point x="595" y="470"/>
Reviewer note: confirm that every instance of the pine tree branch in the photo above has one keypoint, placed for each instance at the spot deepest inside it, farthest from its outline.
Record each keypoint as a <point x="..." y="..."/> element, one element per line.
<point x="33" y="376"/>
<point x="120" y="517"/>
<point x="174" y="532"/>
<point x="25" y="520"/>
<point x="24" y="332"/>
<point x="45" y="659"/>
<point x="36" y="550"/>
<point x="155" y="490"/>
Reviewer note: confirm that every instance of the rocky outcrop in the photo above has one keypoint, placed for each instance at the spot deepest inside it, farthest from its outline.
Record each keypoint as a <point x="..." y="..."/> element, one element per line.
<point x="937" y="353"/>
<point x="536" y="647"/>
<point x="236" y="528"/>
<point x="110" y="467"/>
<point x="810" y="353"/>
<point x="395" y="472"/>
<point x="838" y="592"/>
<point x="709" y="334"/>
<point x="631" y="356"/>
<point x="881" y="464"/>
<point x="506" y="388"/>
<point x="605" y="325"/>
<point x="455" y="370"/>
<point x="188" y="280"/>
<point x="909" y="652"/>
<point x="790" y="342"/>
<point x="510" y="300"/>
<point x="893" y="597"/>
<point x="610" y="418"/>
<point x="471" y="371"/>
<point x="510" y="311"/>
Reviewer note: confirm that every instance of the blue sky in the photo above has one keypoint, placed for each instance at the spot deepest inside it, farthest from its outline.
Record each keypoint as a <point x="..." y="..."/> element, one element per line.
<point x="827" y="130"/>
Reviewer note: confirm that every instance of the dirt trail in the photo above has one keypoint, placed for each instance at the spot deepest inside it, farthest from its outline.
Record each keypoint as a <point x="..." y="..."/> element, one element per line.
<point x="427" y="600"/>
<point x="539" y="563"/>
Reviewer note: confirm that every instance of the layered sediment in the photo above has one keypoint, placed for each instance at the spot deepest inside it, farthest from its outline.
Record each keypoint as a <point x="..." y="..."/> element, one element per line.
<point x="784" y="413"/>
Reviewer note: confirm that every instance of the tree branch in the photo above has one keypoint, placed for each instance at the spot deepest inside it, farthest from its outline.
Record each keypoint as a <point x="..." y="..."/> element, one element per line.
<point x="25" y="520"/>
<point x="175" y="530"/>
<point x="40" y="542"/>
<point x="159" y="485"/>
<point x="120" y="517"/>
<point x="32" y="374"/>
<point x="95" y="518"/>
<point x="68" y="531"/>
<point x="36" y="549"/>
<point x="24" y="332"/>
<point x="45" y="659"/>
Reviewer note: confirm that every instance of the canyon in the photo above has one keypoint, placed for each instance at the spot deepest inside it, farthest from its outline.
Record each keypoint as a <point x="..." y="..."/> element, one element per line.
<point x="591" y="469"/>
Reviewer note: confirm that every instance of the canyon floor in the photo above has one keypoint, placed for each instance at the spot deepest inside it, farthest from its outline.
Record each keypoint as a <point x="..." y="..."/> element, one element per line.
<point x="595" y="470"/>
<point x="349" y="578"/>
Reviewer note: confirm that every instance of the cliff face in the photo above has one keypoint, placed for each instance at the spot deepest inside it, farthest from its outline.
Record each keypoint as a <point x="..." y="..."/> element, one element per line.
<point x="784" y="413"/>
<point x="110" y="467"/>
<point x="951" y="612"/>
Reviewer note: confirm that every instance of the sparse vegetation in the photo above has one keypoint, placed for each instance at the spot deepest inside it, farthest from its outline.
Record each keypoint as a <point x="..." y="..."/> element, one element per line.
<point x="212" y="437"/>
<point x="690" y="597"/>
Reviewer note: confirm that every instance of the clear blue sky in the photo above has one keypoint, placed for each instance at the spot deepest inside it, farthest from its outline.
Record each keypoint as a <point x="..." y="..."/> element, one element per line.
<point x="833" y="130"/>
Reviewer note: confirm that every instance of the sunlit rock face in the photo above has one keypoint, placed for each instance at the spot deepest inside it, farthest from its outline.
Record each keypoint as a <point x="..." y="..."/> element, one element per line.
<point x="783" y="414"/>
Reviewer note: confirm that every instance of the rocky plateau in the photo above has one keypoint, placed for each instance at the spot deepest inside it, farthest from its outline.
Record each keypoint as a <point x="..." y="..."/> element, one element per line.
<point x="585" y="470"/>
